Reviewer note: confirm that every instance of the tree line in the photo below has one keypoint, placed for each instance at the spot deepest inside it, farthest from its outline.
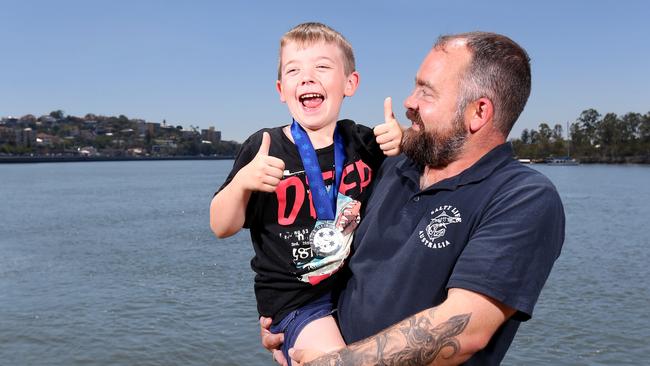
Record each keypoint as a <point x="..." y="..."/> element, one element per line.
<point x="593" y="138"/>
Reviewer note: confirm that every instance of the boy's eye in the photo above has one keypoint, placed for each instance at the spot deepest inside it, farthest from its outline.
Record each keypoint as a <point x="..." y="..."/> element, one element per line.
<point x="290" y="71"/>
<point x="323" y="67"/>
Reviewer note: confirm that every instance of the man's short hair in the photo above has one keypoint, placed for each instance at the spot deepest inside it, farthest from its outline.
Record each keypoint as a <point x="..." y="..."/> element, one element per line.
<point x="499" y="70"/>
<point x="306" y="34"/>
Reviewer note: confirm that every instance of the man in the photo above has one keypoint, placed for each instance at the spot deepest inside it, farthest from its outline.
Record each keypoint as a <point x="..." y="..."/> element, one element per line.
<point x="458" y="238"/>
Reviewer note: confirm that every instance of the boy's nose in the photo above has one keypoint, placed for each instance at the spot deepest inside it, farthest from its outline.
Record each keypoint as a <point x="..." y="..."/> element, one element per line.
<point x="307" y="77"/>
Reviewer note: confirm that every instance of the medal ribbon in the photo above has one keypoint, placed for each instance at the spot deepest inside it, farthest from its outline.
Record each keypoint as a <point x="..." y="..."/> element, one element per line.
<point x="324" y="202"/>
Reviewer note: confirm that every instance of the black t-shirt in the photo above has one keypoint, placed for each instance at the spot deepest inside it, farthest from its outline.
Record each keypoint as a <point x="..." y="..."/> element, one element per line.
<point x="289" y="273"/>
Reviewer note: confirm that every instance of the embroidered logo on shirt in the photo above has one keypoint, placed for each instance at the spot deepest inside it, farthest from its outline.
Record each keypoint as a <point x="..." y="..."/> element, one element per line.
<point x="434" y="234"/>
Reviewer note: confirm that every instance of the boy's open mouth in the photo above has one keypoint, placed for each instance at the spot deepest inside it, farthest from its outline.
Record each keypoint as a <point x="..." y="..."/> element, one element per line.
<point x="311" y="100"/>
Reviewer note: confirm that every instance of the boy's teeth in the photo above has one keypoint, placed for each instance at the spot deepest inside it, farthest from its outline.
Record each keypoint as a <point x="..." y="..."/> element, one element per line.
<point x="310" y="95"/>
<point x="311" y="100"/>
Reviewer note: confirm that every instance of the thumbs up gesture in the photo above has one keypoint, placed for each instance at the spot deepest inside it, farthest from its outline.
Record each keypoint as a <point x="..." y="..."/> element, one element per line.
<point x="389" y="133"/>
<point x="264" y="172"/>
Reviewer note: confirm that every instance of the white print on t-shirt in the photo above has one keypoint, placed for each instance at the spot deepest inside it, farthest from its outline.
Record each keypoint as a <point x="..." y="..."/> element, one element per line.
<point x="288" y="173"/>
<point x="433" y="235"/>
<point x="299" y="241"/>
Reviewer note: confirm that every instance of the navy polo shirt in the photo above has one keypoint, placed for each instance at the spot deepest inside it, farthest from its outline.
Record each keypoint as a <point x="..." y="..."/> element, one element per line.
<point x="495" y="229"/>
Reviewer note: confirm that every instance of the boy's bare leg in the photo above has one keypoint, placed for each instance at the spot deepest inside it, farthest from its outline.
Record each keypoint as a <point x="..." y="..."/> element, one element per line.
<point x="321" y="335"/>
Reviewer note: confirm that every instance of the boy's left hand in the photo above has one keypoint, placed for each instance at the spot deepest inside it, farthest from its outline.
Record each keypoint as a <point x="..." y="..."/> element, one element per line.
<point x="389" y="133"/>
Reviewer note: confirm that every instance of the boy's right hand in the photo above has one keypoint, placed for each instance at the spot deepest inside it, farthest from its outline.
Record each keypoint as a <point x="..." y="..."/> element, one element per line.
<point x="264" y="172"/>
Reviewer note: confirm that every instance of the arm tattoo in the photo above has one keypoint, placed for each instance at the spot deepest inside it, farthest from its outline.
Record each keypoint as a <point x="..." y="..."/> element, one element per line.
<point x="419" y="343"/>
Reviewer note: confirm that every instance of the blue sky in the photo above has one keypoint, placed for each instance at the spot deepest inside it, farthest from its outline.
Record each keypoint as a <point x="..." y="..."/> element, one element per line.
<point x="212" y="63"/>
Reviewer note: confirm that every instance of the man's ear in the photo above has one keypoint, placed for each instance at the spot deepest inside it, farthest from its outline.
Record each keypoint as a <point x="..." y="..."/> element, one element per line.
<point x="278" y="86"/>
<point x="480" y="112"/>
<point x="351" y="84"/>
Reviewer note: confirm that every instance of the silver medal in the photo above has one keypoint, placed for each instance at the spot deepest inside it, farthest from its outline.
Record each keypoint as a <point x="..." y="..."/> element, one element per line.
<point x="325" y="239"/>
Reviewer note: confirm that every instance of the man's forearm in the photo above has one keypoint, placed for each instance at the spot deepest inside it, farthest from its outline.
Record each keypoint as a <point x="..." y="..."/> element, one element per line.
<point x="418" y="340"/>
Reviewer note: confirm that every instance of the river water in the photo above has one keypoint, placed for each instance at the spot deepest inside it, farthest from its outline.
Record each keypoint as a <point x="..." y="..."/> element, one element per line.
<point x="113" y="263"/>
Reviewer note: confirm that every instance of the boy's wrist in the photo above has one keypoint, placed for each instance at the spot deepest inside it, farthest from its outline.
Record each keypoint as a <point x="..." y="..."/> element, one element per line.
<point x="238" y="183"/>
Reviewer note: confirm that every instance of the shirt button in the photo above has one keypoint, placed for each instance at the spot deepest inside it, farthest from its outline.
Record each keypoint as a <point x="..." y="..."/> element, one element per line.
<point x="416" y="198"/>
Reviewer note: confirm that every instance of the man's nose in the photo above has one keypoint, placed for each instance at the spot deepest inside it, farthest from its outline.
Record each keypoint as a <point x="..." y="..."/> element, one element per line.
<point x="410" y="101"/>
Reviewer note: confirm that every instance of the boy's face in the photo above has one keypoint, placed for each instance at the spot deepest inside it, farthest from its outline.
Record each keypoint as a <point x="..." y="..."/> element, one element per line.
<point x="313" y="83"/>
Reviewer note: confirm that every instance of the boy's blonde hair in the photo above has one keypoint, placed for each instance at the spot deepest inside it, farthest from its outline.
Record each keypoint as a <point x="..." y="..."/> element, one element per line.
<point x="306" y="34"/>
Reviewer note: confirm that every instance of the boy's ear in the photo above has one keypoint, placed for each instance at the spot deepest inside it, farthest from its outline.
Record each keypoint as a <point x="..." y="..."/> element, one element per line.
<point x="351" y="84"/>
<point x="278" y="86"/>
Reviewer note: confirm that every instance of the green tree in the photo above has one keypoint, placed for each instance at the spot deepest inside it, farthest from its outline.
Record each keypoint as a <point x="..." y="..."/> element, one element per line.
<point x="558" y="132"/>
<point x="630" y="125"/>
<point x="544" y="135"/>
<point x="609" y="136"/>
<point x="525" y="136"/>
<point x="545" y="132"/>
<point x="558" y="147"/>
<point x="589" y="120"/>
<point x="644" y="137"/>
<point x="58" y="114"/>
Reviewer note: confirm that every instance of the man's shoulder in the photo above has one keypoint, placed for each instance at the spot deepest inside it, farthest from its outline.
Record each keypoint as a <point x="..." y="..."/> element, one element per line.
<point x="522" y="186"/>
<point x="400" y="161"/>
<point x="394" y="167"/>
<point x="516" y="174"/>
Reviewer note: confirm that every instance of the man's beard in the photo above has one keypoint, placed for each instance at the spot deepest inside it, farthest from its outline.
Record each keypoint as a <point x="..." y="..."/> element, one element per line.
<point x="433" y="148"/>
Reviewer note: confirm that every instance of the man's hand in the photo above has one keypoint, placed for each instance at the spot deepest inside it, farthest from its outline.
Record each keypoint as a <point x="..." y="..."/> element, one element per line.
<point x="389" y="133"/>
<point x="272" y="342"/>
<point x="301" y="356"/>
<point x="264" y="172"/>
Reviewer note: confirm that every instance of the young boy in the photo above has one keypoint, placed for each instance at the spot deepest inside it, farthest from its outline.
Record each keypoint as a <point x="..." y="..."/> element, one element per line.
<point x="278" y="188"/>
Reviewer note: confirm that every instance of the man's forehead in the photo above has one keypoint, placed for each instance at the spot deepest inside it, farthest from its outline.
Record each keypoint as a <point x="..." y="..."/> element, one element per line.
<point x="458" y="42"/>
<point x="454" y="44"/>
<point x="441" y="65"/>
<point x="450" y="57"/>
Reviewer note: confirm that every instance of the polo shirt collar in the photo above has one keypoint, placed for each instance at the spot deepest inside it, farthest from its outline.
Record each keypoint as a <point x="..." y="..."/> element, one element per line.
<point x="494" y="159"/>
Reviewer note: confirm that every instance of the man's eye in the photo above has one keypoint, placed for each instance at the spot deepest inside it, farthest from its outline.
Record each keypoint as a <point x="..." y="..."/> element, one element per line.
<point x="425" y="93"/>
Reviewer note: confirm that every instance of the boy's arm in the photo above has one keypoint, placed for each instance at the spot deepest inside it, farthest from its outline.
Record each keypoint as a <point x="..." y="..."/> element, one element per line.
<point x="228" y="207"/>
<point x="389" y="133"/>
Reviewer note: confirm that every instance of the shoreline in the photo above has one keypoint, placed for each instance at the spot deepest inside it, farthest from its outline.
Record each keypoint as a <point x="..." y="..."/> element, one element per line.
<point x="75" y="159"/>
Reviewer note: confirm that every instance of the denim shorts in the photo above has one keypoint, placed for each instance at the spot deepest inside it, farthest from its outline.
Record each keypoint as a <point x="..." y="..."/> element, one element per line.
<point x="292" y="324"/>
